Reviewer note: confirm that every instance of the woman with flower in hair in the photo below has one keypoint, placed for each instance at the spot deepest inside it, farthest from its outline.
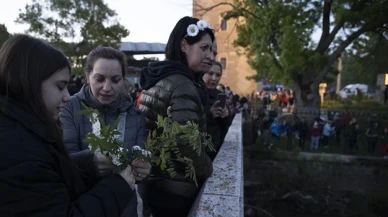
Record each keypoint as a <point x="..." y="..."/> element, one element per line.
<point x="176" y="85"/>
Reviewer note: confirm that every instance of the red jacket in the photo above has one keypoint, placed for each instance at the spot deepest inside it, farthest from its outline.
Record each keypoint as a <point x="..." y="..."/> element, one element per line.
<point x="316" y="131"/>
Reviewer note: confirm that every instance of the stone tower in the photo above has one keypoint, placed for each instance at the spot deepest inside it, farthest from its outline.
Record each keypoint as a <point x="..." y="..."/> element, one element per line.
<point x="236" y="68"/>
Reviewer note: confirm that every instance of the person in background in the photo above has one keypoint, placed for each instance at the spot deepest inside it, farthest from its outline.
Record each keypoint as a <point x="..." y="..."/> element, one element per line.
<point x="228" y="91"/>
<point x="338" y="127"/>
<point x="351" y="136"/>
<point x="135" y="92"/>
<point x="283" y="100"/>
<point x="265" y="127"/>
<point x="291" y="102"/>
<point x="221" y="88"/>
<point x="372" y="138"/>
<point x="175" y="87"/>
<point x="286" y="131"/>
<point x="354" y="137"/>
<point x="105" y="72"/>
<point x="315" y="135"/>
<point x="384" y="138"/>
<point x="328" y="130"/>
<point x="236" y="104"/>
<point x="275" y="131"/>
<point x="303" y="131"/>
<point x="218" y="119"/>
<point x="38" y="177"/>
<point x="256" y="132"/>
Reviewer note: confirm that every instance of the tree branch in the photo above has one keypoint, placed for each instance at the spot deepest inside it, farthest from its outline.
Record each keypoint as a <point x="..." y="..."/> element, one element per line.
<point x="322" y="48"/>
<point x="333" y="57"/>
<point x="325" y="22"/>
<point x="202" y="10"/>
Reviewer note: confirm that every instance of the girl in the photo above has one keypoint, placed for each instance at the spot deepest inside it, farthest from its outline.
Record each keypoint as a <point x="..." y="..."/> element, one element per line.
<point x="38" y="178"/>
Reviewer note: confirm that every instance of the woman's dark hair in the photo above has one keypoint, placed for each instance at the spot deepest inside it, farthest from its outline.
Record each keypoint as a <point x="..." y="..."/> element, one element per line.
<point x="222" y="86"/>
<point x="25" y="62"/>
<point x="173" y="47"/>
<point x="105" y="52"/>
<point x="219" y="65"/>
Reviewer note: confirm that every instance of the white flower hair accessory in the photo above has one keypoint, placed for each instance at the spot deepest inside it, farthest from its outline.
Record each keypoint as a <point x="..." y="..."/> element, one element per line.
<point x="202" y="25"/>
<point x="193" y="29"/>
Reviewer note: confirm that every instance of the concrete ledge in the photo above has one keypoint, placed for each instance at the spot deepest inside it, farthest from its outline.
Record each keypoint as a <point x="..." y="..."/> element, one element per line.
<point x="223" y="193"/>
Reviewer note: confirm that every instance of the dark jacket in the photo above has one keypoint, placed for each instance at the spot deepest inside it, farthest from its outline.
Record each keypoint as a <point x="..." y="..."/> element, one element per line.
<point x="303" y="129"/>
<point x="216" y="127"/>
<point x="172" y="85"/>
<point x="36" y="180"/>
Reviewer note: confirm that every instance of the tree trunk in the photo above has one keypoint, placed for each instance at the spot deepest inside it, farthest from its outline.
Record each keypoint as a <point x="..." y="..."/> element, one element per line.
<point x="306" y="94"/>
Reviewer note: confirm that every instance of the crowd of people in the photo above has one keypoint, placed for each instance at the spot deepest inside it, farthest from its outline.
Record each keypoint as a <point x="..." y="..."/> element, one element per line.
<point x="343" y="129"/>
<point x="285" y="98"/>
<point x="47" y="168"/>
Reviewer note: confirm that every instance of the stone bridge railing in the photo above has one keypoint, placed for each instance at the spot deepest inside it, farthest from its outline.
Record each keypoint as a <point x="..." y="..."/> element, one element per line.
<point x="223" y="193"/>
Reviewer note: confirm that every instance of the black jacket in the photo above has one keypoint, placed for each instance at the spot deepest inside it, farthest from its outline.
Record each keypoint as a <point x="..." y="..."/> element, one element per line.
<point x="36" y="180"/>
<point x="216" y="127"/>
<point x="172" y="85"/>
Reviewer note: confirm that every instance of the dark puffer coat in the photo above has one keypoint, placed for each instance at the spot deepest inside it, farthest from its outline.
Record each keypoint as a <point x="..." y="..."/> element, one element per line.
<point x="172" y="85"/>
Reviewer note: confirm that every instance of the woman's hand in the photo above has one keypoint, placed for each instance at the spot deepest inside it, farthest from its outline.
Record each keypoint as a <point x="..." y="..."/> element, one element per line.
<point x="141" y="169"/>
<point x="103" y="164"/>
<point x="225" y="113"/>
<point x="128" y="176"/>
<point x="216" y="110"/>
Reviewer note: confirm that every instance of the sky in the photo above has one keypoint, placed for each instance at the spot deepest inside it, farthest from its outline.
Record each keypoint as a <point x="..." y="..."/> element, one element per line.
<point x="147" y="20"/>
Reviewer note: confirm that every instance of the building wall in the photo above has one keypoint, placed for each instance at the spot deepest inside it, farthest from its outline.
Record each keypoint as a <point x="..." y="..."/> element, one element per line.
<point x="237" y="68"/>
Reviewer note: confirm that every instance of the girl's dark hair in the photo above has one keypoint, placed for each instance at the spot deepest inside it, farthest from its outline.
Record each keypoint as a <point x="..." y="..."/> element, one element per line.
<point x="25" y="62"/>
<point x="173" y="47"/>
<point x="106" y="52"/>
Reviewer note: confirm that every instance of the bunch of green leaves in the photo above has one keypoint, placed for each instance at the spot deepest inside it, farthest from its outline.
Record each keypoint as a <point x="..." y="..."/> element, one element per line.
<point x="139" y="154"/>
<point x="163" y="144"/>
<point x="107" y="142"/>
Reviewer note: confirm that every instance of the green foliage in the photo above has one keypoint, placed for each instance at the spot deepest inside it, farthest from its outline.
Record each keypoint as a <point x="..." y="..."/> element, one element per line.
<point x="161" y="147"/>
<point x="77" y="71"/>
<point x="354" y="104"/>
<point x="4" y="34"/>
<point x="86" y="23"/>
<point x="367" y="61"/>
<point x="277" y="36"/>
<point x="162" y="143"/>
<point x="106" y="141"/>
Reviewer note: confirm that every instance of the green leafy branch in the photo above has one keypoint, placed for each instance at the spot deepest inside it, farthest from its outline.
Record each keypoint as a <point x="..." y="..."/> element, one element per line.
<point x="163" y="143"/>
<point x="104" y="139"/>
<point x="161" y="147"/>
